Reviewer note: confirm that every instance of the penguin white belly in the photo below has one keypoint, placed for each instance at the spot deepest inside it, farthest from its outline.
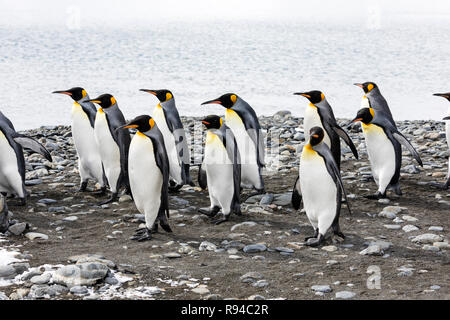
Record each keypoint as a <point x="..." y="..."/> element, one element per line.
<point x="381" y="155"/>
<point x="249" y="166"/>
<point x="90" y="162"/>
<point x="219" y="173"/>
<point x="319" y="190"/>
<point x="312" y="119"/>
<point x="169" y="142"/>
<point x="109" y="150"/>
<point x="365" y="102"/>
<point x="10" y="179"/>
<point x="146" y="178"/>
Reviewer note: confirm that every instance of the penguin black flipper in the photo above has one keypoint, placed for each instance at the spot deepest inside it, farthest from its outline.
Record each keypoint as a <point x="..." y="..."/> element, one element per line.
<point x="229" y="142"/>
<point x="251" y="123"/>
<point x="324" y="151"/>
<point x="402" y="139"/>
<point x="30" y="143"/>
<point x="176" y="127"/>
<point x="116" y="119"/>
<point x="343" y="134"/>
<point x="162" y="161"/>
<point x="5" y="119"/>
<point x="90" y="109"/>
<point x="202" y="179"/>
<point x="391" y="131"/>
<point x="296" y="199"/>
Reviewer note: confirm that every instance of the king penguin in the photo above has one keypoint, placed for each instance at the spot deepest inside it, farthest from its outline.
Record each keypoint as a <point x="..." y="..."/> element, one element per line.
<point x="148" y="168"/>
<point x="321" y="187"/>
<point x="243" y="122"/>
<point x="12" y="161"/>
<point x="113" y="144"/>
<point x="4" y="219"/>
<point x="169" y="123"/>
<point x="221" y="163"/>
<point x="375" y="100"/>
<point x="319" y="113"/>
<point x="446" y="185"/>
<point x="83" y="119"/>
<point x="383" y="146"/>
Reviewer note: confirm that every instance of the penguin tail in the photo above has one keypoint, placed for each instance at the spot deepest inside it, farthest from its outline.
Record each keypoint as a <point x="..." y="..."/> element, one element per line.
<point x="164" y="223"/>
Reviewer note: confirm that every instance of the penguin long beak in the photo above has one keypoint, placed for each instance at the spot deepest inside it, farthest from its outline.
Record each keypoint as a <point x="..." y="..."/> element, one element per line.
<point x="353" y="121"/>
<point x="444" y="95"/>
<point x="93" y="100"/>
<point x="359" y="85"/>
<point x="153" y="92"/>
<point x="127" y="126"/>
<point x="212" y="101"/>
<point x="63" y="92"/>
<point x="302" y="94"/>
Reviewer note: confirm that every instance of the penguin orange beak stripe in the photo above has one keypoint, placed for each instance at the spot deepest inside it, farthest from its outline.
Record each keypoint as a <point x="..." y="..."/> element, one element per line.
<point x="315" y="135"/>
<point x="356" y="120"/>
<point x="206" y="122"/>
<point x="130" y="126"/>
<point x="358" y="85"/>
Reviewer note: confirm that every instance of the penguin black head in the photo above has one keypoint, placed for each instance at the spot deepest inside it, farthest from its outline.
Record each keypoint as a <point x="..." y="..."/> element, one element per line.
<point x="163" y="95"/>
<point x="316" y="135"/>
<point x="365" y="115"/>
<point x="443" y="95"/>
<point x="142" y="123"/>
<point x="105" y="100"/>
<point x="212" y="122"/>
<point x="314" y="96"/>
<point x="366" y="86"/>
<point x="227" y="100"/>
<point x="76" y="93"/>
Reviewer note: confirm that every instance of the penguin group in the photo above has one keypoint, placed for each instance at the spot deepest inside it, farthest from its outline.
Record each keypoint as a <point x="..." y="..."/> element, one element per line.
<point x="148" y="156"/>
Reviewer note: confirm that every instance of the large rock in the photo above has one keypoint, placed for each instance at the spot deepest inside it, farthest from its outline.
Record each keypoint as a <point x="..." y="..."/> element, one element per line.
<point x="85" y="274"/>
<point x="88" y="257"/>
<point x="427" y="238"/>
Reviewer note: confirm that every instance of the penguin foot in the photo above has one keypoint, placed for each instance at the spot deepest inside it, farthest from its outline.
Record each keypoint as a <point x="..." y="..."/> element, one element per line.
<point x="315" y="242"/>
<point x="143" y="234"/>
<point x="210" y="212"/>
<point x="22" y="201"/>
<point x="442" y="186"/>
<point x="223" y="219"/>
<point x="376" y="196"/>
<point x="316" y="233"/>
<point x="100" y="192"/>
<point x="238" y="212"/>
<point x="111" y="199"/>
<point x="154" y="229"/>
<point x="83" y="187"/>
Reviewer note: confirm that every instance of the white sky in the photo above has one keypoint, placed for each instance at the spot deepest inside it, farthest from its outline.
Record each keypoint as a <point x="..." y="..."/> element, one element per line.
<point x="115" y="12"/>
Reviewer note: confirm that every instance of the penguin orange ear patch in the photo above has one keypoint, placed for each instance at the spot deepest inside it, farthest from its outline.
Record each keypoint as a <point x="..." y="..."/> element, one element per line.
<point x="322" y="96"/>
<point x="168" y="96"/>
<point x="151" y="122"/>
<point x="221" y="121"/>
<point x="83" y="93"/>
<point x="233" y="98"/>
<point x="369" y="87"/>
<point x="113" y="100"/>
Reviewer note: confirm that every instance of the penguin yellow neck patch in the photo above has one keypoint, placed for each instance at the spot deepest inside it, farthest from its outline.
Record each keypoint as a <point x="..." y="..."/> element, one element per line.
<point x="100" y="110"/>
<point x="312" y="105"/>
<point x="140" y="134"/>
<point x="308" y="151"/>
<point x="212" y="138"/>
